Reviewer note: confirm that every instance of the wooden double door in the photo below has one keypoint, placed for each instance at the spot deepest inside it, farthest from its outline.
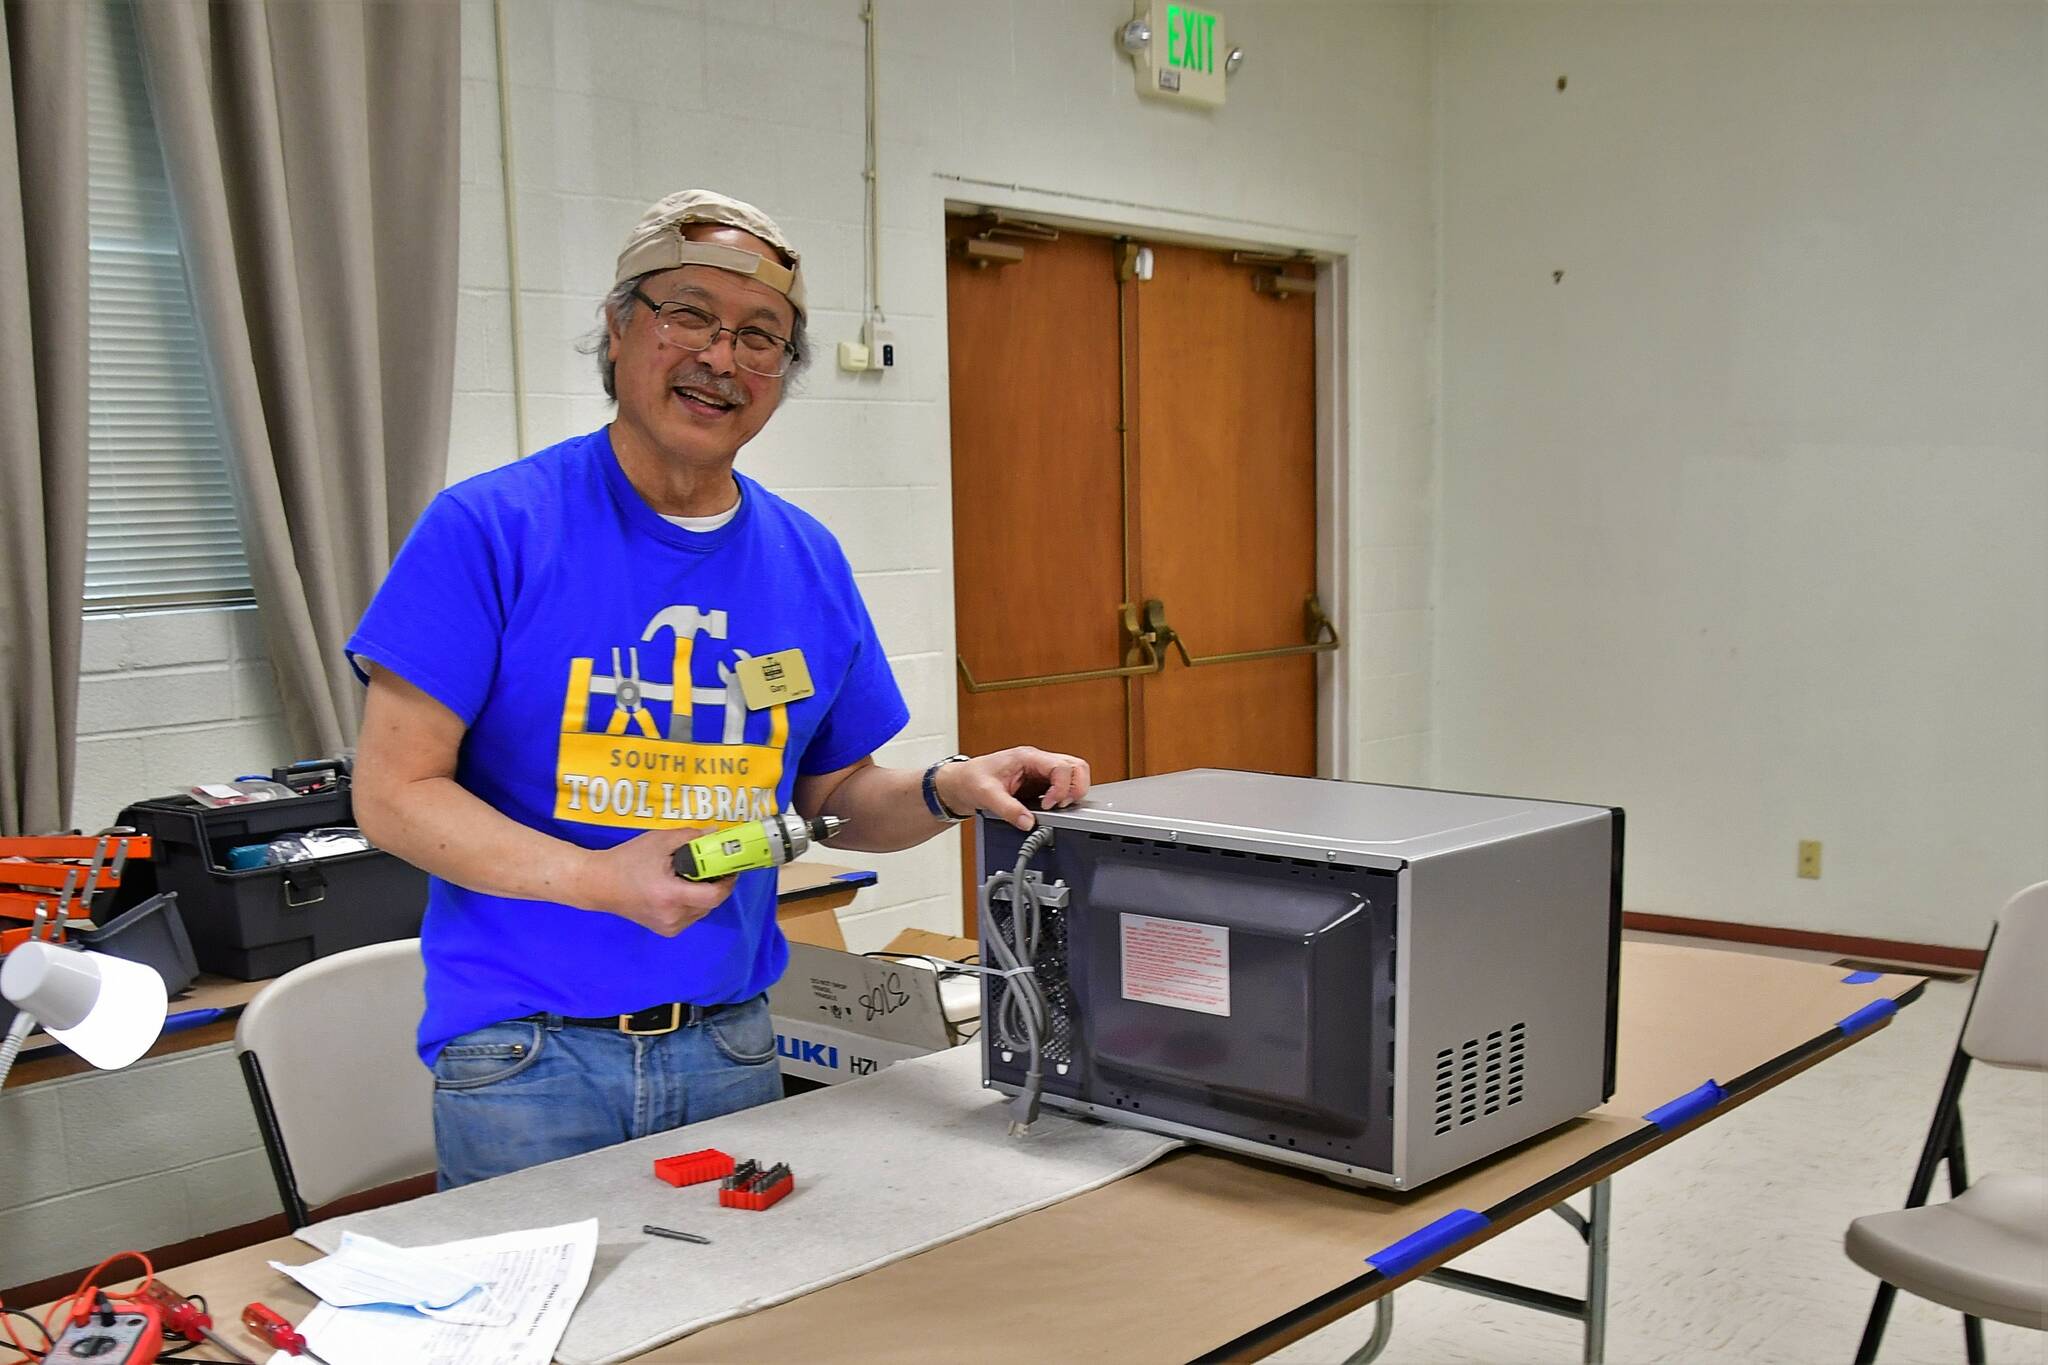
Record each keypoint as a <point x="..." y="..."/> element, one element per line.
<point x="1134" y="488"/>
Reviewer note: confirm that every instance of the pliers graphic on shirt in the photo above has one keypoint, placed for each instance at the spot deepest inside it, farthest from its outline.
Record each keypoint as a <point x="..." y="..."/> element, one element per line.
<point x="627" y="697"/>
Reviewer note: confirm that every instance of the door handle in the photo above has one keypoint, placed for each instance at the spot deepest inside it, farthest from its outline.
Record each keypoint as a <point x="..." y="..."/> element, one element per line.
<point x="1143" y="647"/>
<point x="1316" y="623"/>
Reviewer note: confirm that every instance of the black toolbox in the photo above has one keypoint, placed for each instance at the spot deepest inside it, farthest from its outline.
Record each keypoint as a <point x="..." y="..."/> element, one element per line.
<point x="261" y="922"/>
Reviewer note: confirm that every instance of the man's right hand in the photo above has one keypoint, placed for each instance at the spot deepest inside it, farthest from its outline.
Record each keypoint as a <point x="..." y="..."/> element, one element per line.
<point x="637" y="880"/>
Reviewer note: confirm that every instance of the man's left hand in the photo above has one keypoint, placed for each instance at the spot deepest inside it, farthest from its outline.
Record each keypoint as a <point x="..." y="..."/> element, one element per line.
<point x="994" y="782"/>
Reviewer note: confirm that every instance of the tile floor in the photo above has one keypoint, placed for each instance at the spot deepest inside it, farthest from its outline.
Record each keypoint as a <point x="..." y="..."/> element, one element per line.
<point x="1727" y="1245"/>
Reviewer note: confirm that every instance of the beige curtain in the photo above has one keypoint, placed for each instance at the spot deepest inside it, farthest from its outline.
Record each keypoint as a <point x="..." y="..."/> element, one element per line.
<point x="42" y="407"/>
<point x="312" y="150"/>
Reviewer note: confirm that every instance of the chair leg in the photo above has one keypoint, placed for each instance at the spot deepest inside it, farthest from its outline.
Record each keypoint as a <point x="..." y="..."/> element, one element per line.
<point x="1942" y="1142"/>
<point x="1958" y="1169"/>
<point x="1873" y="1330"/>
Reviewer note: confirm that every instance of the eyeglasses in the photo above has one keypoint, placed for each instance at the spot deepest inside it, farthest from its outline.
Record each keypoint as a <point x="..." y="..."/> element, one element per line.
<point x="756" y="349"/>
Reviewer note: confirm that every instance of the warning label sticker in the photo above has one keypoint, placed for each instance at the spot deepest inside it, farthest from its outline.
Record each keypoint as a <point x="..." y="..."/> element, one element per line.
<point x="1170" y="962"/>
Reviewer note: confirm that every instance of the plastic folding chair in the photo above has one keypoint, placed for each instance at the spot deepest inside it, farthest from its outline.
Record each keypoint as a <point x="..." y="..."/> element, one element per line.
<point x="328" y="1054"/>
<point x="1984" y="1253"/>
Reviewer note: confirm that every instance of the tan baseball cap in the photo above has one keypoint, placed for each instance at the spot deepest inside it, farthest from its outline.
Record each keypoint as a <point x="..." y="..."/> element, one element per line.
<point x="657" y="243"/>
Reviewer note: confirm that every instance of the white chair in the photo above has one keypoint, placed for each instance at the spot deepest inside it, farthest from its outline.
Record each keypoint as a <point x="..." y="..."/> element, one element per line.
<point x="343" y="1101"/>
<point x="1984" y="1253"/>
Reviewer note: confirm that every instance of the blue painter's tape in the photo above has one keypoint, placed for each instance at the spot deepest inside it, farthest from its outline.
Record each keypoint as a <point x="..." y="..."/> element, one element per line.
<point x="1860" y="978"/>
<point x="856" y="878"/>
<point x="1868" y="1015"/>
<point x="1424" y="1243"/>
<point x="190" y="1019"/>
<point x="1687" y="1107"/>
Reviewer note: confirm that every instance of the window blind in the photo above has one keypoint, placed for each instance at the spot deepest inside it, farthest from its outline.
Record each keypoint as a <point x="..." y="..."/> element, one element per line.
<point x="161" y="527"/>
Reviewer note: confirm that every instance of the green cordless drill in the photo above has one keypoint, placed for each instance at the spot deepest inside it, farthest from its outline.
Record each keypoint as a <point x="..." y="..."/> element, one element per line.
<point x="758" y="843"/>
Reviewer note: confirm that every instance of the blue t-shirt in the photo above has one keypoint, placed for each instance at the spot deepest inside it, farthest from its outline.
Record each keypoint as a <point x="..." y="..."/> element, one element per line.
<point x="589" y="645"/>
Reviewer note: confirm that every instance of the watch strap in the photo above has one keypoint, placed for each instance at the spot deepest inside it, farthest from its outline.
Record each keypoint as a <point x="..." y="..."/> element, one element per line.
<point x="932" y="803"/>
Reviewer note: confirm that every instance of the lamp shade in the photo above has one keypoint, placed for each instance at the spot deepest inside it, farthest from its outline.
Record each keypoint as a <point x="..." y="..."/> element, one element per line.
<point x="106" y="1009"/>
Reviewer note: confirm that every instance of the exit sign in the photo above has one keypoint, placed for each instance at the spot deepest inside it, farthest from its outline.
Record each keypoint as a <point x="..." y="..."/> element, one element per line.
<point x="1185" y="59"/>
<point x="1191" y="39"/>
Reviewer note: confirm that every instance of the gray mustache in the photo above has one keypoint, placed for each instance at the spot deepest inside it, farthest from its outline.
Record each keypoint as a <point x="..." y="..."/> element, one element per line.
<point x="724" y="389"/>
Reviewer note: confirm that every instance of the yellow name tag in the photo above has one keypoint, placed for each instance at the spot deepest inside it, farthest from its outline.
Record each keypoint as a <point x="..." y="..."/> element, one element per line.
<point x="775" y="679"/>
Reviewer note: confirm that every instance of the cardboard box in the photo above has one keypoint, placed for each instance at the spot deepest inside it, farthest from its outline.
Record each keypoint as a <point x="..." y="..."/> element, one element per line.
<point x="839" y="1015"/>
<point x="809" y="896"/>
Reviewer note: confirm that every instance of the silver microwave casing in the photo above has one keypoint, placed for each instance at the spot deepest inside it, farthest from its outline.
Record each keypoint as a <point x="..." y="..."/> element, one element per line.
<point x="1507" y="946"/>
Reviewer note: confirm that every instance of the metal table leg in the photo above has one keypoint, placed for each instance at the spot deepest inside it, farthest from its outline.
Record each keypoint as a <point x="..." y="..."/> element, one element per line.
<point x="1382" y="1329"/>
<point x="1596" y="1274"/>
<point x="1591" y="1310"/>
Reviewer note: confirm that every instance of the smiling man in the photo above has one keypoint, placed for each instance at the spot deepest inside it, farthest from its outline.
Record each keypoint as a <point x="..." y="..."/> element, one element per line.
<point x="565" y="671"/>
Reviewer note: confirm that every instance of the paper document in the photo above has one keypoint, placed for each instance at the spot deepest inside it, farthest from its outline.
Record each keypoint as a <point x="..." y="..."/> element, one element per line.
<point x="365" y="1271"/>
<point x="535" y="1278"/>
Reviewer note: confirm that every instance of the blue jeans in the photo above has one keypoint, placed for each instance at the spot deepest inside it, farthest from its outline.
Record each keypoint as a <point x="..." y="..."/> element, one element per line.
<point x="512" y="1095"/>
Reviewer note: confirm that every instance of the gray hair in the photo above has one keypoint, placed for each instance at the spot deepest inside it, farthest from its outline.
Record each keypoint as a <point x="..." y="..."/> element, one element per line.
<point x="617" y="311"/>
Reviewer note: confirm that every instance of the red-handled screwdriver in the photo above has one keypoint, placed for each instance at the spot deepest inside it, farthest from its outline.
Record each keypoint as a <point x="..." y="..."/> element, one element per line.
<point x="186" y="1318"/>
<point x="272" y="1328"/>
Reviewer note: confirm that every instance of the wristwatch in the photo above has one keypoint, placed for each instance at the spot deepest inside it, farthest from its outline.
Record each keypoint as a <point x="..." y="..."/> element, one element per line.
<point x="931" y="791"/>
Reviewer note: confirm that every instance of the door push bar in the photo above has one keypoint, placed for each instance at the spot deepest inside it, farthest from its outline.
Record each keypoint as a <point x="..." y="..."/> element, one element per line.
<point x="1150" y="635"/>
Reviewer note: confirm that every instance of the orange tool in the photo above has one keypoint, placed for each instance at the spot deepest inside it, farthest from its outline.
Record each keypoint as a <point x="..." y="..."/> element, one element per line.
<point x="183" y="1316"/>
<point x="10" y="939"/>
<point x="56" y="876"/>
<point x="71" y="845"/>
<point x="23" y="904"/>
<point x="271" y="1328"/>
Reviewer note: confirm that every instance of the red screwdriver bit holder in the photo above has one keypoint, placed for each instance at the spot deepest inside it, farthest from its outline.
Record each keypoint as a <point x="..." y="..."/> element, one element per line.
<point x="759" y="1190"/>
<point x="694" y="1168"/>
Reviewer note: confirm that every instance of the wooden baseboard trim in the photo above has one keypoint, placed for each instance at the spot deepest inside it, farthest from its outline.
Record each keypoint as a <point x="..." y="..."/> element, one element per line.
<point x="167" y="1258"/>
<point x="1842" y="945"/>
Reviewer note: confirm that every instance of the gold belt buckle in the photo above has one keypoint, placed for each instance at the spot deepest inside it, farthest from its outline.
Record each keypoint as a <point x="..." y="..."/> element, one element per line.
<point x="675" y="1021"/>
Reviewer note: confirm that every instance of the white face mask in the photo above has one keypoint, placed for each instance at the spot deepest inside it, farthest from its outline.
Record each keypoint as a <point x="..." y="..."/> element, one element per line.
<point x="366" y="1271"/>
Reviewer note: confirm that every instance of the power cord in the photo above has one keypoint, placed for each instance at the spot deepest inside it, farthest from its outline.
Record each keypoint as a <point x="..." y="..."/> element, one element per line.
<point x="1017" y="1004"/>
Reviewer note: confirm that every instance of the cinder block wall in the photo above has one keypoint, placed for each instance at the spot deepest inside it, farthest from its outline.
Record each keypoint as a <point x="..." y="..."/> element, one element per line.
<point x="105" y="1161"/>
<point x="170" y="698"/>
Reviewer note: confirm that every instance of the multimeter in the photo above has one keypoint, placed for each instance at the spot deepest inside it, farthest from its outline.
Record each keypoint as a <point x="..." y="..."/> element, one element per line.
<point x="131" y="1336"/>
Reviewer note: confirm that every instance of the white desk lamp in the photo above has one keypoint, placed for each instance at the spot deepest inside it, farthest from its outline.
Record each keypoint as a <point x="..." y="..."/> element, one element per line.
<point x="106" y="1009"/>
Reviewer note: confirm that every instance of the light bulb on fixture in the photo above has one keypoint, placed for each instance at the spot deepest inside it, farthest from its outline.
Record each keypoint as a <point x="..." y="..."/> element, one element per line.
<point x="1135" y="37"/>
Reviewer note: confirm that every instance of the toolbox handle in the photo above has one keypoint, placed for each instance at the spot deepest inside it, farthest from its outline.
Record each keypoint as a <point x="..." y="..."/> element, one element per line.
<point x="297" y="875"/>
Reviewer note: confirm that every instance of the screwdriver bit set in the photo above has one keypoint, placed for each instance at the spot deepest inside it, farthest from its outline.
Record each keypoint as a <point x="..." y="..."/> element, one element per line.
<point x="754" y="1186"/>
<point x="741" y="1184"/>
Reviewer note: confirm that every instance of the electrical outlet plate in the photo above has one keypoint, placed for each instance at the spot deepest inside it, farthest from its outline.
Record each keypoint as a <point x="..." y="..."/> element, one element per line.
<point x="853" y="357"/>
